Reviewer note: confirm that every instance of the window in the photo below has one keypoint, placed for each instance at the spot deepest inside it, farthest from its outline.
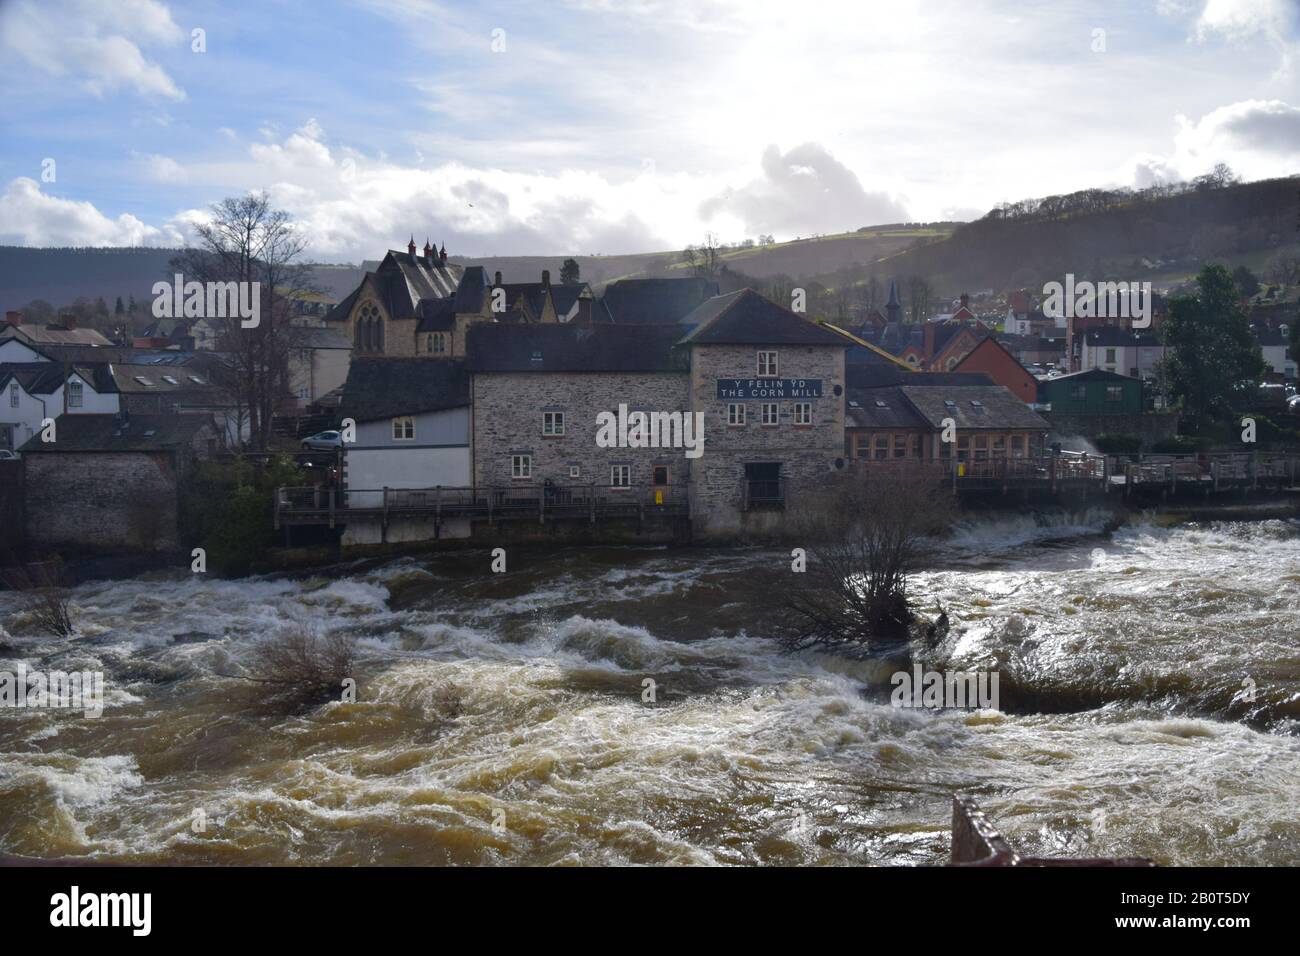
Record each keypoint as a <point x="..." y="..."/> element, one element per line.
<point x="74" y="394"/>
<point x="521" y="466"/>
<point x="999" y="446"/>
<point x="981" y="447"/>
<point x="13" y="395"/>
<point x="735" y="414"/>
<point x="553" y="424"/>
<point x="196" y="380"/>
<point x="620" y="476"/>
<point x="1110" y="356"/>
<point x="803" y="413"/>
<point x="963" y="447"/>
<point x="575" y="471"/>
<point x="767" y="364"/>
<point x="882" y="447"/>
<point x="403" y="428"/>
<point x="1017" y="446"/>
<point x="900" y="446"/>
<point x="1114" y="393"/>
<point x="143" y="381"/>
<point x="170" y="380"/>
<point x="437" y="343"/>
<point x="659" y="475"/>
<point x="1079" y="393"/>
<point x="769" y="413"/>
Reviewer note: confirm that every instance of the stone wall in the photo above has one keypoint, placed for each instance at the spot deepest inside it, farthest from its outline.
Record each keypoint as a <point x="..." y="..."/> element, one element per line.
<point x="103" y="501"/>
<point x="11" y="507"/>
<point x="508" y="411"/>
<point x="807" y="453"/>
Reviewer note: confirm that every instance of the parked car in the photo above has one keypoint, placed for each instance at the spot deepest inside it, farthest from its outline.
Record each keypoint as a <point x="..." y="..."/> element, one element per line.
<point x="1293" y="404"/>
<point x="7" y="455"/>
<point x="323" y="441"/>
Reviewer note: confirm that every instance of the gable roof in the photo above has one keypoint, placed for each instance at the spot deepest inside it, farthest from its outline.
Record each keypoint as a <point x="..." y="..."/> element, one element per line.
<point x="44" y="378"/>
<point x="874" y="376"/>
<point x="386" y="387"/>
<point x="437" y="315"/>
<point x="998" y="407"/>
<point x="107" y="433"/>
<point x="655" y="301"/>
<point x="990" y="342"/>
<point x="574" y="348"/>
<point x="747" y="318"/>
<point x="471" y="290"/>
<point x="1089" y="374"/>
<point x="54" y="335"/>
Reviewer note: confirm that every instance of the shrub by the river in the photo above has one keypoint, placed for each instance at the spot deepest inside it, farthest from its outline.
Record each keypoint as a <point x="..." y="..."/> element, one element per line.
<point x="43" y="583"/>
<point x="298" y="669"/>
<point x="228" y="510"/>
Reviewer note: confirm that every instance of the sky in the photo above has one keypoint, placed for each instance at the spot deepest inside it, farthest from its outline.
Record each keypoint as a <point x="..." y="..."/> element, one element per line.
<point x="600" y="126"/>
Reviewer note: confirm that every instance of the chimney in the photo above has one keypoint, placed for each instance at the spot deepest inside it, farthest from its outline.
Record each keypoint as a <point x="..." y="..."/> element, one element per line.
<point x="16" y="318"/>
<point x="442" y="256"/>
<point x="69" y="320"/>
<point x="498" y="278"/>
<point x="410" y="248"/>
<point x="428" y="251"/>
<point x="546" y="277"/>
<point x="965" y="301"/>
<point x="928" y="347"/>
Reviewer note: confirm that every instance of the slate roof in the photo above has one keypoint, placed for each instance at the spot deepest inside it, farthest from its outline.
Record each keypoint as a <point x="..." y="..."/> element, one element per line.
<point x="747" y="318"/>
<point x="42" y="378"/>
<point x="401" y="281"/>
<point x="575" y="348"/>
<point x="564" y="297"/>
<point x="385" y="387"/>
<point x="884" y="407"/>
<point x="471" y="290"/>
<point x="55" y="335"/>
<point x="437" y="315"/>
<point x="105" y="433"/>
<point x="655" y="301"/>
<point x="126" y="378"/>
<point x="999" y="407"/>
<point x="530" y="295"/>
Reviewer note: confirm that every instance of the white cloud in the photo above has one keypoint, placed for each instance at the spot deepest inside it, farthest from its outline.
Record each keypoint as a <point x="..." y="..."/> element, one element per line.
<point x="162" y="169"/>
<point x="804" y="190"/>
<point x="97" y="44"/>
<point x="30" y="217"/>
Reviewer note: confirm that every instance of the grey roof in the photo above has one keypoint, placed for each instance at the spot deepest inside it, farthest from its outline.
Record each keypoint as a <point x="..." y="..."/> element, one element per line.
<point x="385" y="387"/>
<point x="885" y="407"/>
<point x="341" y="311"/>
<point x="873" y="376"/>
<point x="311" y="337"/>
<point x="108" y="433"/>
<point x="128" y="380"/>
<point x="564" y="297"/>
<point x="747" y="318"/>
<point x="1090" y="374"/>
<point x="998" y="407"/>
<point x="43" y="378"/>
<point x="471" y="290"/>
<point x="437" y="315"/>
<point x="401" y="281"/>
<point x="575" y="348"/>
<point x="654" y="301"/>
<point x="1113" y="335"/>
<point x="55" y="335"/>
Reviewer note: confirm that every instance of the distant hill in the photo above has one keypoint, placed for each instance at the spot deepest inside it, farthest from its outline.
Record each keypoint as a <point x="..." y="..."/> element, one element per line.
<point x="61" y="276"/>
<point x="1158" y="237"/>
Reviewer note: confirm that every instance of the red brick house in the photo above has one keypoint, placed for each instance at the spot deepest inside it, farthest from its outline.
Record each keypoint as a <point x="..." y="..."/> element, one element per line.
<point x="992" y="358"/>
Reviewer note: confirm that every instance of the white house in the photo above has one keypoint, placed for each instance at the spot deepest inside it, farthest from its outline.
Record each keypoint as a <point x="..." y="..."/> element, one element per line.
<point x="31" y="392"/>
<point x="1274" y="343"/>
<point x="1123" y="351"/>
<point x="413" y="426"/>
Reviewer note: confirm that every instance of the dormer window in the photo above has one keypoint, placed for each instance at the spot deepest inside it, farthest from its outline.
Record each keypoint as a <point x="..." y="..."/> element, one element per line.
<point x="74" y="394"/>
<point x="767" y="366"/>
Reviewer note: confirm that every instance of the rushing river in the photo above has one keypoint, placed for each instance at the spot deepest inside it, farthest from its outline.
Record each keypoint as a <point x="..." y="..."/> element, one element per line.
<point x="500" y="718"/>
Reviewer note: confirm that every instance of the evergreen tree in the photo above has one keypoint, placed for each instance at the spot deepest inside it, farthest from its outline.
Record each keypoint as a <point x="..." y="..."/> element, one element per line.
<point x="569" y="272"/>
<point x="1213" y="356"/>
<point x="118" y="307"/>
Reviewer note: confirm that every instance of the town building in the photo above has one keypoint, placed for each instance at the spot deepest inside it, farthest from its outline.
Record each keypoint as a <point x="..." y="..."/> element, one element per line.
<point x="993" y="359"/>
<point x="31" y="392"/>
<point x="1114" y="349"/>
<point x="66" y="332"/>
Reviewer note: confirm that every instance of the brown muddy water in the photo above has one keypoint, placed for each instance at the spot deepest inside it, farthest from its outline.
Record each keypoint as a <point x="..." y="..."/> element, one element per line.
<point x="500" y="717"/>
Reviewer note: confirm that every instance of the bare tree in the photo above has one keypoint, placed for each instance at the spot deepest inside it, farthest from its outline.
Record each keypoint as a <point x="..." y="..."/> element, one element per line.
<point x="43" y="582"/>
<point x="865" y="533"/>
<point x="706" y="258"/>
<point x="246" y="241"/>
<point x="301" y="668"/>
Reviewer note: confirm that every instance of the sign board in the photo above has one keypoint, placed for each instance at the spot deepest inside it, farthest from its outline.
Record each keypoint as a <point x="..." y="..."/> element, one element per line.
<point x="768" y="389"/>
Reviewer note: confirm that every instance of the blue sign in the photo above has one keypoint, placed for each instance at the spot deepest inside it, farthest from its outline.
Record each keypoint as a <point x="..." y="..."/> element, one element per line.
<point x="768" y="389"/>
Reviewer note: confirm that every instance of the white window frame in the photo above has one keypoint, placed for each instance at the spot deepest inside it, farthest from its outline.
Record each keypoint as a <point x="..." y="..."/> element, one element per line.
<point x="76" y="394"/>
<point x="402" y="424"/>
<point x="13" y="395"/>
<point x="736" y="414"/>
<point x="767" y="363"/>
<point x="803" y="413"/>
<point x="521" y="467"/>
<point x="617" y="471"/>
<point x="556" y="423"/>
<point x="776" y="414"/>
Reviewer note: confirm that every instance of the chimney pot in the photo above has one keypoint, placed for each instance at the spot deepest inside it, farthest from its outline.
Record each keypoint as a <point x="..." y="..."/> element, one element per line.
<point x="69" y="321"/>
<point x="410" y="247"/>
<point x="546" y="277"/>
<point x="498" y="278"/>
<point x="442" y="256"/>
<point x="428" y="251"/>
<point x="13" y="318"/>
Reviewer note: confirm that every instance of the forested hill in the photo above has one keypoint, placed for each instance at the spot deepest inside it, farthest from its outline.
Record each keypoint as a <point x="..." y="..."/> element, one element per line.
<point x="1103" y="234"/>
